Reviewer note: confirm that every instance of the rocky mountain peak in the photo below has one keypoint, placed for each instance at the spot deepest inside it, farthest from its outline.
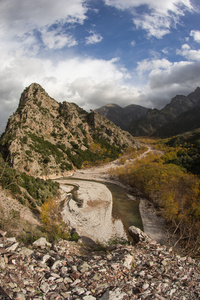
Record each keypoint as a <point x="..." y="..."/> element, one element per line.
<point x="195" y="97"/>
<point x="36" y="94"/>
<point x="46" y="138"/>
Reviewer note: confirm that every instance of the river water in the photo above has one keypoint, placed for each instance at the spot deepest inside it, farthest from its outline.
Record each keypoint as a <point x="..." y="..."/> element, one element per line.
<point x="125" y="206"/>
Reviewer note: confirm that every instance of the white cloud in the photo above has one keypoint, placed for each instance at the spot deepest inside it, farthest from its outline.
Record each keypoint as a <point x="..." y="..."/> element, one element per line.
<point x="180" y="78"/>
<point x="133" y="43"/>
<point x="190" y="54"/>
<point x="20" y="16"/>
<point x="148" y="65"/>
<point x="93" y="38"/>
<point x="196" y="35"/>
<point x="160" y="6"/>
<point x="159" y="17"/>
<point x="155" y="24"/>
<point x="165" y="79"/>
<point x="79" y="80"/>
<point x="56" y="40"/>
<point x="180" y="73"/>
<point x="23" y="21"/>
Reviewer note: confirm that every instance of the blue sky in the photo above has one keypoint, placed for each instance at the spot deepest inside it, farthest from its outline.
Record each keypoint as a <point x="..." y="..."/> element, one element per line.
<point x="95" y="52"/>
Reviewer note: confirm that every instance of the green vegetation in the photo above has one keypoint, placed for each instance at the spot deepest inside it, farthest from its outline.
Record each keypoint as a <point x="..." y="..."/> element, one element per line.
<point x="110" y="151"/>
<point x="98" y="152"/>
<point x="27" y="189"/>
<point x="188" y="154"/>
<point x="45" y="148"/>
<point x="76" y="156"/>
<point x="31" y="192"/>
<point x="172" y="189"/>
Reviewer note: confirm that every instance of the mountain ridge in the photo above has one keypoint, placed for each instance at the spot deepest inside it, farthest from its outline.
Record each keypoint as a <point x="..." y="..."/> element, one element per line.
<point x="152" y="122"/>
<point x="122" y="117"/>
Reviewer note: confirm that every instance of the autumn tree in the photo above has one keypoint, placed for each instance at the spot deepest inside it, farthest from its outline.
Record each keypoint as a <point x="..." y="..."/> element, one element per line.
<point x="52" y="221"/>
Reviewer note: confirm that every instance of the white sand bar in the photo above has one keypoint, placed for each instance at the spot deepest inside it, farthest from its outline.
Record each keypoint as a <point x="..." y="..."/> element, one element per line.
<point x="94" y="218"/>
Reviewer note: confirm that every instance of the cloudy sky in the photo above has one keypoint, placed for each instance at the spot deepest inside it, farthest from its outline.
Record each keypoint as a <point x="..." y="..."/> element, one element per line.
<point x="94" y="52"/>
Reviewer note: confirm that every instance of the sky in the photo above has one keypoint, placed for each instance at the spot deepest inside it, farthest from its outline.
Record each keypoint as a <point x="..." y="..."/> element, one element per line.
<point x="95" y="52"/>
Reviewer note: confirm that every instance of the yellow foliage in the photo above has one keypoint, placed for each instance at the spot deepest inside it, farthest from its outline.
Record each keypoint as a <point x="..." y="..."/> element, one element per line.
<point x="53" y="225"/>
<point x="49" y="212"/>
<point x="171" y="207"/>
<point x="96" y="148"/>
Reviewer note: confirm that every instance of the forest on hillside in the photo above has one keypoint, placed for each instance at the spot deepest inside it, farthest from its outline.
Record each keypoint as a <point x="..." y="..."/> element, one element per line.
<point x="171" y="181"/>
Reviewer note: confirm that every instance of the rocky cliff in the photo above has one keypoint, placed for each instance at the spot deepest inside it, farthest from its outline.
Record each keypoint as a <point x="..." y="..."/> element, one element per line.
<point x="47" y="138"/>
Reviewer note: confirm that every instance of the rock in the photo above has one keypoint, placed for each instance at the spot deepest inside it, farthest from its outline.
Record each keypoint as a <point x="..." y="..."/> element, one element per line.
<point x="26" y="251"/>
<point x="13" y="247"/>
<point x="44" y="287"/>
<point x="3" y="233"/>
<point x="138" y="235"/>
<point x="113" y="295"/>
<point x="19" y="296"/>
<point x="12" y="240"/>
<point x="89" y="298"/>
<point x="84" y="267"/>
<point x="42" y="243"/>
<point x="79" y="291"/>
<point x="145" y="286"/>
<point x="45" y="258"/>
<point x="128" y="261"/>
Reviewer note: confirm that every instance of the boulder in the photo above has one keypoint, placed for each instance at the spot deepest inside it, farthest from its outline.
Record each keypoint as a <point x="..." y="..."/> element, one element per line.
<point x="42" y="243"/>
<point x="138" y="235"/>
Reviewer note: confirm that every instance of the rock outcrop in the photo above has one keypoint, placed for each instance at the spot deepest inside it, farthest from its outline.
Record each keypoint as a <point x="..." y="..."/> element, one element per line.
<point x="45" y="138"/>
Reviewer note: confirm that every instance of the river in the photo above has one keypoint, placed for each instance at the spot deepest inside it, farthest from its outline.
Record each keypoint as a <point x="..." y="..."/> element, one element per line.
<point x="107" y="210"/>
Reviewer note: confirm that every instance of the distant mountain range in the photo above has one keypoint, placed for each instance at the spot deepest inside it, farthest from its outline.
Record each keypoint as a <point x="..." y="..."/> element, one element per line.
<point x="123" y="117"/>
<point x="45" y="138"/>
<point x="180" y="115"/>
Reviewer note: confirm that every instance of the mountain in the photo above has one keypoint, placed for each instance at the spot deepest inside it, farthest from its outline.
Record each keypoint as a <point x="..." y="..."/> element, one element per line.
<point x="45" y="138"/>
<point x="122" y="117"/>
<point x="157" y="121"/>
<point x="186" y="121"/>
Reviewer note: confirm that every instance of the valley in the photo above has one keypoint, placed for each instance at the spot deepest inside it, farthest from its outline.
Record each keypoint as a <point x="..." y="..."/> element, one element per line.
<point x="70" y="184"/>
